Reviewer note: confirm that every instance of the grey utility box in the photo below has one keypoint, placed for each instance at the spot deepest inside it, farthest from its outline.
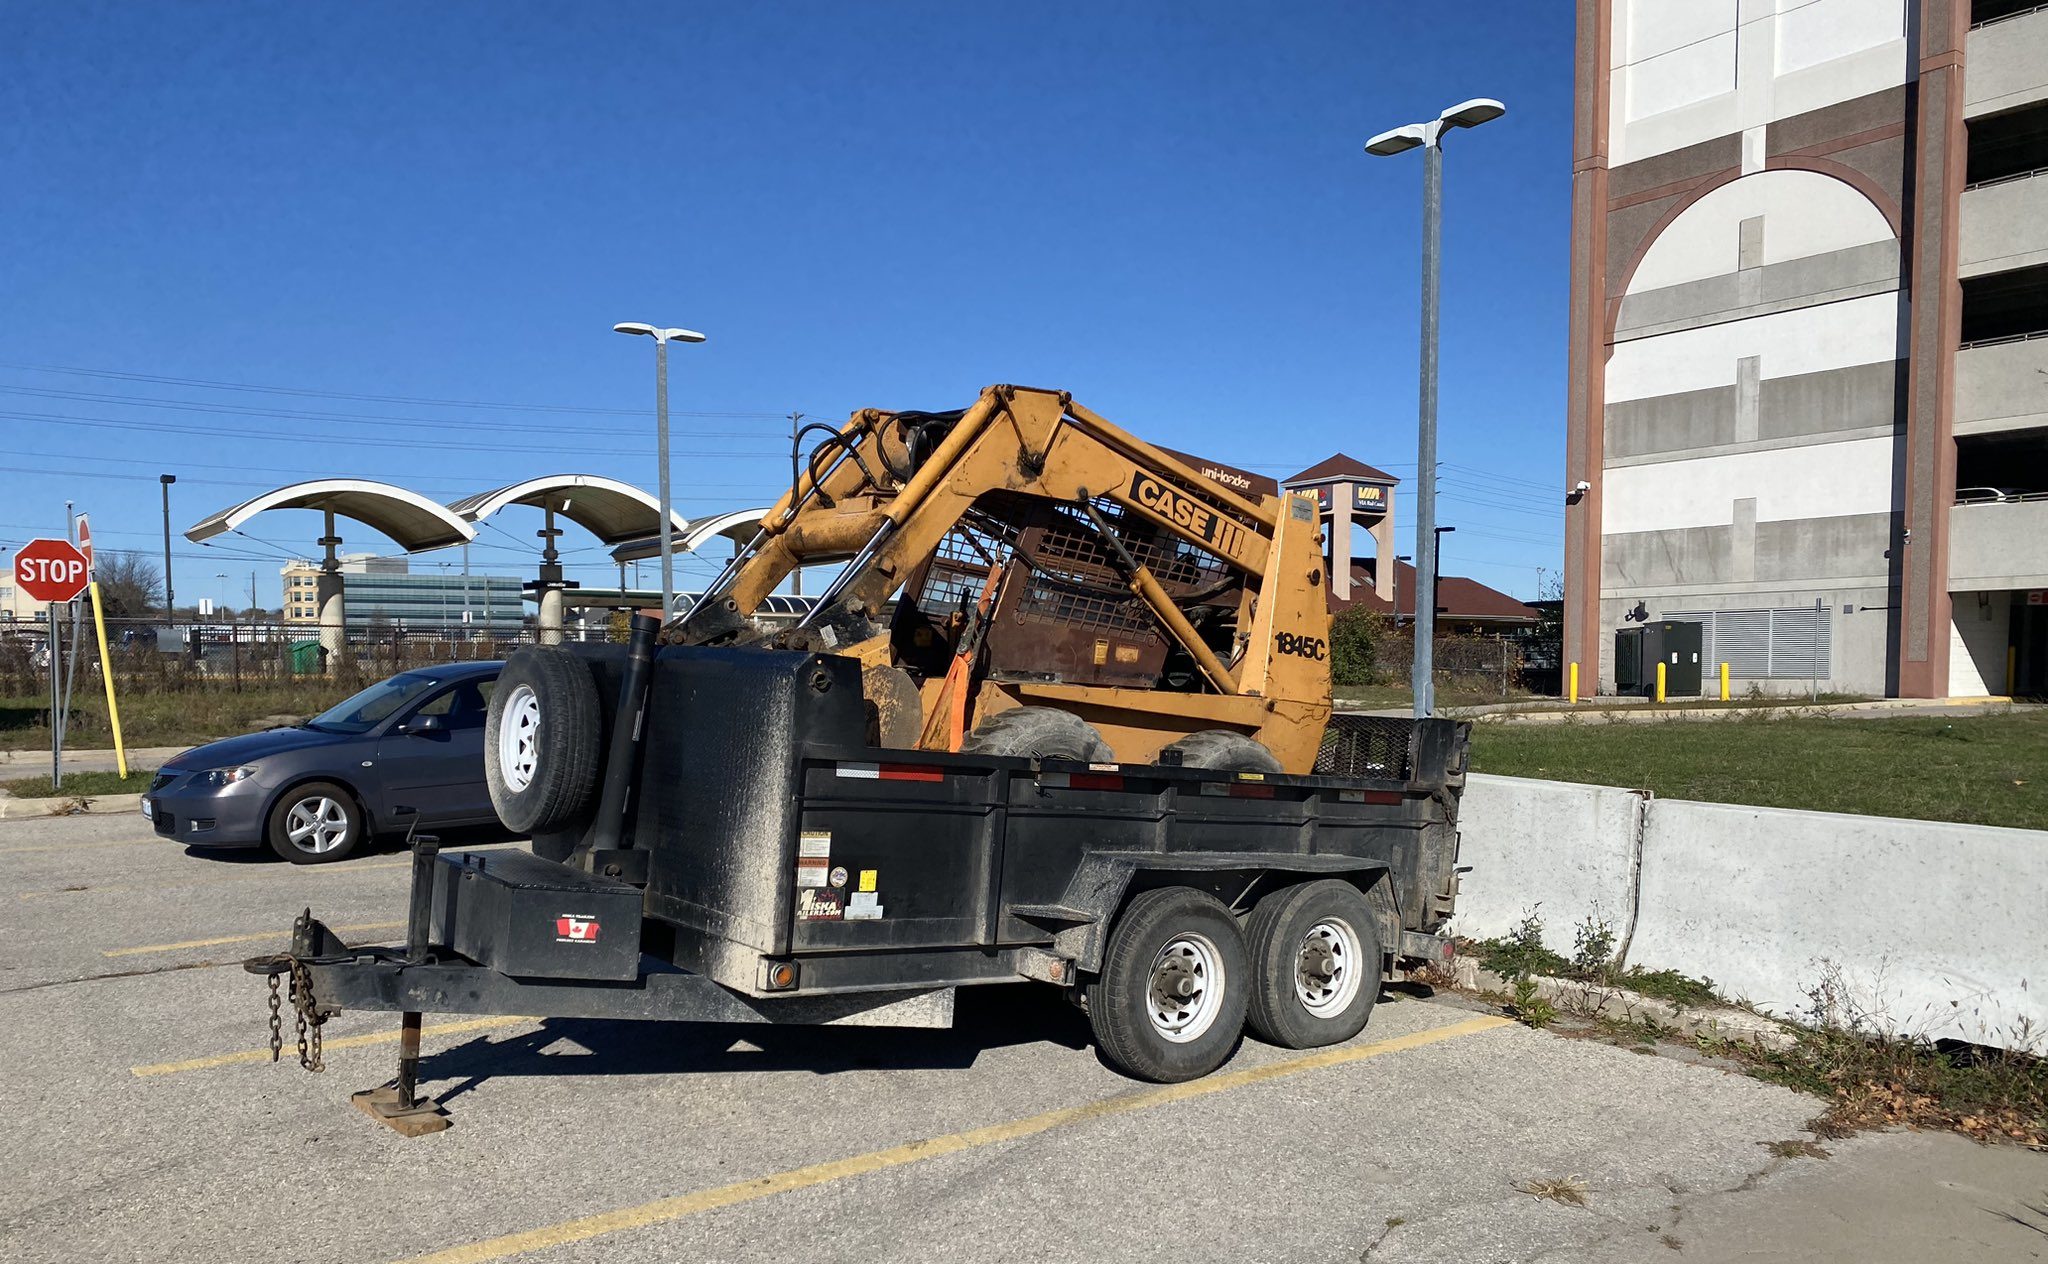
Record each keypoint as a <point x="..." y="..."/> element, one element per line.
<point x="1637" y="651"/>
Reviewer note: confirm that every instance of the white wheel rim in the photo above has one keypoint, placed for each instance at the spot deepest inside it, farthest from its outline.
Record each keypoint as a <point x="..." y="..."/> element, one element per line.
<point x="519" y="738"/>
<point x="317" y="825"/>
<point x="1328" y="968"/>
<point x="1187" y="987"/>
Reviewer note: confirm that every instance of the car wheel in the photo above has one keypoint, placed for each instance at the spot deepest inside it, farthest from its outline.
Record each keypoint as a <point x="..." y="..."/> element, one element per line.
<point x="541" y="741"/>
<point x="316" y="823"/>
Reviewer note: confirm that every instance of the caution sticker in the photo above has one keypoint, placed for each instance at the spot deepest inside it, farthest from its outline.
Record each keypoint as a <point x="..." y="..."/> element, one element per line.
<point x="814" y="844"/>
<point x="867" y="878"/>
<point x="813" y="873"/>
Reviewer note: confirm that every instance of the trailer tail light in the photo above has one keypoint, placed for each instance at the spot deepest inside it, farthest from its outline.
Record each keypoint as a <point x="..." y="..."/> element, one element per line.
<point x="892" y="772"/>
<point x="778" y="976"/>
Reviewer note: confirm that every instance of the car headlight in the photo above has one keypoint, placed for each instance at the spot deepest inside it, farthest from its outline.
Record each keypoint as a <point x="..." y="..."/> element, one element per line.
<point x="222" y="778"/>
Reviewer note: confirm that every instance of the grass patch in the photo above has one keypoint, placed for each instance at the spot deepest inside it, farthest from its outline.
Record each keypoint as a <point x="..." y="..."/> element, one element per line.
<point x="1521" y="956"/>
<point x="81" y="783"/>
<point x="174" y="718"/>
<point x="1978" y="770"/>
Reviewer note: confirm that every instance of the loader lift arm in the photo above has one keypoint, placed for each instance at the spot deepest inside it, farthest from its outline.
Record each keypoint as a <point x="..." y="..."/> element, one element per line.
<point x="886" y="490"/>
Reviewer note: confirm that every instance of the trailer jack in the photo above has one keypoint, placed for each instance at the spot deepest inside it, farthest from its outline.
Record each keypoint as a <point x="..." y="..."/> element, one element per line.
<point x="398" y="1105"/>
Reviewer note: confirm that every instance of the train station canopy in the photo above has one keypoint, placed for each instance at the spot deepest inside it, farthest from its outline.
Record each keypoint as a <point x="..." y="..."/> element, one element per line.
<point x="412" y="521"/>
<point x="612" y="511"/>
<point x="738" y="525"/>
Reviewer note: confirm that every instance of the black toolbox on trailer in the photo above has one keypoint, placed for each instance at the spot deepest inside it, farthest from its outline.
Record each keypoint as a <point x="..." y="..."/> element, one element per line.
<point x="766" y="864"/>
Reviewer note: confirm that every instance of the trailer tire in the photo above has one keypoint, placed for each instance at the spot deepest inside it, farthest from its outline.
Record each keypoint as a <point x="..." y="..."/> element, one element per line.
<point x="1224" y="751"/>
<point x="1038" y="733"/>
<point x="1315" y="951"/>
<point x="541" y="741"/>
<point x="1170" y="1002"/>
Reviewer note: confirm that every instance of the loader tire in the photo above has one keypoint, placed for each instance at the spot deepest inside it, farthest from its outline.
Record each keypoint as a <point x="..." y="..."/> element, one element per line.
<point x="541" y="741"/>
<point x="1038" y="733"/>
<point x="1224" y="751"/>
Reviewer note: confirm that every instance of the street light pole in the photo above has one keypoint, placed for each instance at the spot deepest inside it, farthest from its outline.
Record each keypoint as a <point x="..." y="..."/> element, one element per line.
<point x="169" y="607"/>
<point x="1429" y="136"/>
<point x="662" y="337"/>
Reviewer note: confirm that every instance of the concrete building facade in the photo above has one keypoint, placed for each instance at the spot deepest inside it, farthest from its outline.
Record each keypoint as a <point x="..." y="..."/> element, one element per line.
<point x="1809" y="256"/>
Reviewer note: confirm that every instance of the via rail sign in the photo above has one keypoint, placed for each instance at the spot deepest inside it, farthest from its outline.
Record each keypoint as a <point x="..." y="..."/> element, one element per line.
<point x="51" y="570"/>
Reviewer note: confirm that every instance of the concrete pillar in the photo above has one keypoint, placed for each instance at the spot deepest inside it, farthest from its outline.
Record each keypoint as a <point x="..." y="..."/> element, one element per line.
<point x="1383" y="553"/>
<point x="1340" y="541"/>
<point x="550" y="621"/>
<point x="327" y="597"/>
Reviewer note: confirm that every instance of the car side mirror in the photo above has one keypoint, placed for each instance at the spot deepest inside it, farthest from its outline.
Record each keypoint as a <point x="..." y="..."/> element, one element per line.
<point x="424" y="724"/>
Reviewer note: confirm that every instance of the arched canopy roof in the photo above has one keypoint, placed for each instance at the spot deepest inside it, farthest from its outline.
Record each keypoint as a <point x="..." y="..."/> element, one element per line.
<point x="612" y="511"/>
<point x="739" y="524"/>
<point x="410" y="519"/>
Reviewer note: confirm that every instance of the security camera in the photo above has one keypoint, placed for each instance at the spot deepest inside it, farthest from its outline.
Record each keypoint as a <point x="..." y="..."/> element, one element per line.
<point x="1578" y="493"/>
<point x="1583" y="487"/>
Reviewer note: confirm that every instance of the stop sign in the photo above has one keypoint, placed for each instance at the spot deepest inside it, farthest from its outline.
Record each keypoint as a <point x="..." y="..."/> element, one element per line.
<point x="50" y="570"/>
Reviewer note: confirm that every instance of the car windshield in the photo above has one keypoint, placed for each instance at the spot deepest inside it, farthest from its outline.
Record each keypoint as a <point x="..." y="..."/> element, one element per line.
<point x="374" y="705"/>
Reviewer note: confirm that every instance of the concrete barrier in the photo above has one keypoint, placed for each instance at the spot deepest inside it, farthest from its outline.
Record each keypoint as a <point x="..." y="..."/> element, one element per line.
<point x="1566" y="851"/>
<point x="1918" y="927"/>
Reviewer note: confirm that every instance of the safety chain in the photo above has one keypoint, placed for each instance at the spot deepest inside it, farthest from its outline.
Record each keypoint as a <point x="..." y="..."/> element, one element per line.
<point x="306" y="1018"/>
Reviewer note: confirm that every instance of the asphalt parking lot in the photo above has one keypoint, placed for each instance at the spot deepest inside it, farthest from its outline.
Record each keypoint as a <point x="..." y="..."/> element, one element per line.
<point x="146" y="1122"/>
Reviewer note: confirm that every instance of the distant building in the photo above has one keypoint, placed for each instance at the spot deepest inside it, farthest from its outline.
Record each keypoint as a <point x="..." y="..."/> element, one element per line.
<point x="385" y="591"/>
<point x="16" y="605"/>
<point x="1805" y="401"/>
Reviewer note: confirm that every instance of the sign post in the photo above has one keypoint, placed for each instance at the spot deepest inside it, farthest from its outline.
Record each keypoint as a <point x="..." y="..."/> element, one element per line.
<point x="53" y="572"/>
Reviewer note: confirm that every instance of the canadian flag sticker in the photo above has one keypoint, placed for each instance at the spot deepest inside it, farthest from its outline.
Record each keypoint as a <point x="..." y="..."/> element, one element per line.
<point x="573" y="929"/>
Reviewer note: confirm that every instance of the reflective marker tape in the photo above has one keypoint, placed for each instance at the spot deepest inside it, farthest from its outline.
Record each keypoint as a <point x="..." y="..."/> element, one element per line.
<point x="891" y="772"/>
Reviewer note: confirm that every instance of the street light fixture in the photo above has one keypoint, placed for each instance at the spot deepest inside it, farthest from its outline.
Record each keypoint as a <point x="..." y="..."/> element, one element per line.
<point x="1429" y="137"/>
<point x="662" y="337"/>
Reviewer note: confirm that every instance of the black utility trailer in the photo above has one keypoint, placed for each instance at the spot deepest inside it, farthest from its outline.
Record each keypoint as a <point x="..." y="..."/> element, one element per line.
<point x="737" y="852"/>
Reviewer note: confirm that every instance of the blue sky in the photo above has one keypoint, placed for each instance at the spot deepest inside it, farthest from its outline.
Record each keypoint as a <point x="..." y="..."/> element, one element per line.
<point x="1163" y="208"/>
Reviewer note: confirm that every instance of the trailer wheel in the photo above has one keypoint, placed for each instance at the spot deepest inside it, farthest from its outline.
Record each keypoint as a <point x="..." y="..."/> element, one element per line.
<point x="541" y="740"/>
<point x="1038" y="733"/>
<point x="1315" y="952"/>
<point x="1224" y="751"/>
<point x="1169" y="1004"/>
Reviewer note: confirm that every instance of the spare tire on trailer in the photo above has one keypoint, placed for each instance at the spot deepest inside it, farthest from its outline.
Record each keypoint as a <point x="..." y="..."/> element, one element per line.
<point x="1223" y="751"/>
<point x="541" y="741"/>
<point x="1038" y="733"/>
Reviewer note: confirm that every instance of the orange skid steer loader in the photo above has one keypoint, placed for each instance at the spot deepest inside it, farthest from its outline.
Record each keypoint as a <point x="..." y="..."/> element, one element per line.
<point x="1061" y="589"/>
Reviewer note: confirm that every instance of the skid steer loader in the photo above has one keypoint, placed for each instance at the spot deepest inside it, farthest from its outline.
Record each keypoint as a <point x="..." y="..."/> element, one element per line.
<point x="1063" y="589"/>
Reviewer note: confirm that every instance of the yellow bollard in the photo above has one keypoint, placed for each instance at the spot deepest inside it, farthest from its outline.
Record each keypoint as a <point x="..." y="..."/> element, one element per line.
<point x="1660" y="680"/>
<point x="1575" y="684"/>
<point x="99" y="623"/>
<point x="1724" y="682"/>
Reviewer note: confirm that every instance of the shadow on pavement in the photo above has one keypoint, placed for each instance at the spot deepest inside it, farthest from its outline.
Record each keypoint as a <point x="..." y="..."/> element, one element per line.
<point x="986" y="1017"/>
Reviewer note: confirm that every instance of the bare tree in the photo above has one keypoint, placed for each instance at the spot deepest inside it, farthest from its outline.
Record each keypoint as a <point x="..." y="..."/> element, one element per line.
<point x="130" y="587"/>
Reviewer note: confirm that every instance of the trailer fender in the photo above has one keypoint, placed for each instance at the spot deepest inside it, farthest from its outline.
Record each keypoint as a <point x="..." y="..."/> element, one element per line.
<point x="1081" y="921"/>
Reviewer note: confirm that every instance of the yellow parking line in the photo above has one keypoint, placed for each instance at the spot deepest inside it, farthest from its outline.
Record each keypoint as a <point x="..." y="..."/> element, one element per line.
<point x="239" y="939"/>
<point x="342" y="1042"/>
<point x="665" y="1210"/>
<point x="328" y="871"/>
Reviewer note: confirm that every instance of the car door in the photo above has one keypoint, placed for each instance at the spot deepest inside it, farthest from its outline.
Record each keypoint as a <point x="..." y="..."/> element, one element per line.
<point x="432" y="760"/>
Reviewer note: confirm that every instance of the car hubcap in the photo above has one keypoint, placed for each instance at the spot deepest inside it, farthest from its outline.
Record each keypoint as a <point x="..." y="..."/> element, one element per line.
<point x="518" y="739"/>
<point x="1328" y="970"/>
<point x="317" y="825"/>
<point x="1187" y="988"/>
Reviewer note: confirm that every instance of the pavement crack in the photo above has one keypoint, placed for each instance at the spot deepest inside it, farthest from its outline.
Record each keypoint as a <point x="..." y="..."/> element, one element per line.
<point x="116" y="974"/>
